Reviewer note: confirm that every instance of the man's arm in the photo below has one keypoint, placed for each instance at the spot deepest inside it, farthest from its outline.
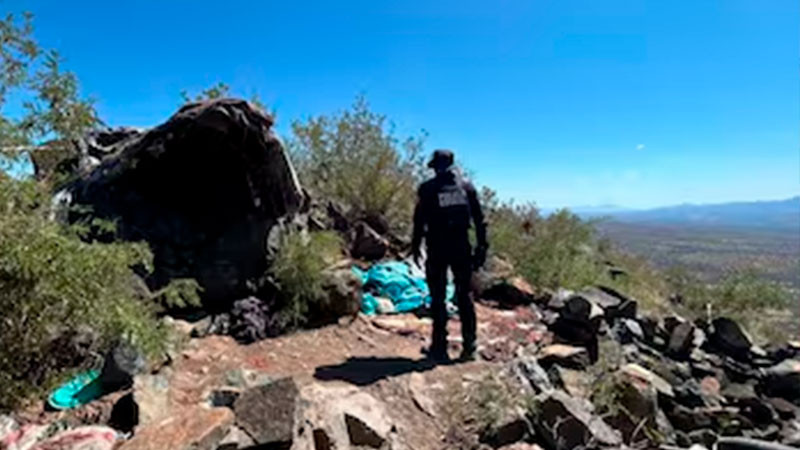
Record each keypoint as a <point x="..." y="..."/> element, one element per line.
<point x="480" y="226"/>
<point x="419" y="228"/>
<point x="477" y="216"/>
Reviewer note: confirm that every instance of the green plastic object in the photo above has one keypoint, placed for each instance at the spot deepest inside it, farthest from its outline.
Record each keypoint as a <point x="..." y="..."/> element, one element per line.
<point x="80" y="390"/>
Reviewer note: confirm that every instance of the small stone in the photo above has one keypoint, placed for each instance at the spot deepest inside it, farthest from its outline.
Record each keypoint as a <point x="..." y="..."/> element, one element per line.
<point x="236" y="439"/>
<point x="361" y="434"/>
<point x="783" y="380"/>
<point x="23" y="437"/>
<point x="640" y="373"/>
<point x="384" y="305"/>
<point x="223" y="397"/>
<point x="7" y="426"/>
<point x="81" y="438"/>
<point x="367" y="243"/>
<point x="418" y="388"/>
<point x="151" y="395"/>
<point x="704" y="437"/>
<point x="729" y="338"/>
<point x="196" y="428"/>
<point x="532" y="374"/>
<point x="576" y="383"/>
<point x="121" y="364"/>
<point x="510" y="292"/>
<point x="567" y="422"/>
<point x="785" y="409"/>
<point x="246" y="379"/>
<point x="267" y="412"/>
<point x="681" y="340"/>
<point x="512" y="428"/>
<point x="738" y="391"/>
<point x="564" y="355"/>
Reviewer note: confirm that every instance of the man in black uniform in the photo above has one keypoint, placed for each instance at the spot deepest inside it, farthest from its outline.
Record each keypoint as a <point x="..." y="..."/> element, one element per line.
<point x="446" y="205"/>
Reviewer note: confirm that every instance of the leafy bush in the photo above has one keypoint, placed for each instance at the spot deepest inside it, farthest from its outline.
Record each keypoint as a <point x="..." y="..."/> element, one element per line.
<point x="353" y="158"/>
<point x="557" y="251"/>
<point x="298" y="269"/>
<point x="53" y="283"/>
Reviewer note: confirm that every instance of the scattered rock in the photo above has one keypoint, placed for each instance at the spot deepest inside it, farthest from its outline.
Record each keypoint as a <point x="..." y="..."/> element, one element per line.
<point x="785" y="409"/>
<point x="639" y="374"/>
<point x="681" y="340"/>
<point x="195" y="428"/>
<point x="82" y="438"/>
<point x="252" y="320"/>
<point x="512" y="428"/>
<point x="343" y="416"/>
<point x="224" y="396"/>
<point x="7" y="426"/>
<point x="566" y="423"/>
<point x="510" y="292"/>
<point x="564" y="355"/>
<point x="576" y="383"/>
<point x="419" y="393"/>
<point x="629" y="330"/>
<point x="343" y="289"/>
<point x="366" y="422"/>
<point x="704" y="437"/>
<point x="236" y="439"/>
<point x="739" y="443"/>
<point x="728" y="337"/>
<point x="267" y="413"/>
<point x="367" y="243"/>
<point x="151" y="395"/>
<point x="532" y="375"/>
<point x="361" y="433"/>
<point x="245" y="378"/>
<point x="121" y="364"/>
<point x="783" y="380"/>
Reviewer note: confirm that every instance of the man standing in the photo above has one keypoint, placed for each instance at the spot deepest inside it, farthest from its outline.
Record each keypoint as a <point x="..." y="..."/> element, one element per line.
<point x="446" y="206"/>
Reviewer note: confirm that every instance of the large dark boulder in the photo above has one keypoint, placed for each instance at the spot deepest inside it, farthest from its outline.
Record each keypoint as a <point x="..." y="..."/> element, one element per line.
<point x="203" y="189"/>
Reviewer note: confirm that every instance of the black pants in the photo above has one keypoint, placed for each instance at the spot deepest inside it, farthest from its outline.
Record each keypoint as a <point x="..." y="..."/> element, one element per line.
<point x="459" y="259"/>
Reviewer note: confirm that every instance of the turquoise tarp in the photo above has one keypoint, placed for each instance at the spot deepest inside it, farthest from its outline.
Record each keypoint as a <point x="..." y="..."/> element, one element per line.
<point x="394" y="280"/>
<point x="80" y="390"/>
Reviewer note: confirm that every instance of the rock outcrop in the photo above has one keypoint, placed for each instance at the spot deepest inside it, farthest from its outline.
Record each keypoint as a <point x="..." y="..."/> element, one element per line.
<point x="203" y="190"/>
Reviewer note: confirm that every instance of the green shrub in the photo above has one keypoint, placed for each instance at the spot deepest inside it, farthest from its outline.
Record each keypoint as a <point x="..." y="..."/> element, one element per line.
<point x="560" y="250"/>
<point x="355" y="159"/>
<point x="761" y="305"/>
<point x="51" y="282"/>
<point x="298" y="269"/>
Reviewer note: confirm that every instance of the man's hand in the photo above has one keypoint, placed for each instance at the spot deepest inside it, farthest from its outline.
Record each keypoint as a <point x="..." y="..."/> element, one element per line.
<point x="479" y="258"/>
<point x="416" y="255"/>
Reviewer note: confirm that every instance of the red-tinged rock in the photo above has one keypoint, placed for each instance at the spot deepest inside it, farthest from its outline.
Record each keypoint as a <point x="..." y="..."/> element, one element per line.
<point x="83" y="438"/>
<point x="196" y="428"/>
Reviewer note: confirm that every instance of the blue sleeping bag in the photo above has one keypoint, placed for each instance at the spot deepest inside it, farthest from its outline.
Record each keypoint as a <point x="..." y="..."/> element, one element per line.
<point x="395" y="281"/>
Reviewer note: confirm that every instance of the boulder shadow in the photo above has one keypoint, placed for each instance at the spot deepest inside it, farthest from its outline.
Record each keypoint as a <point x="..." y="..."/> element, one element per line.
<point x="363" y="371"/>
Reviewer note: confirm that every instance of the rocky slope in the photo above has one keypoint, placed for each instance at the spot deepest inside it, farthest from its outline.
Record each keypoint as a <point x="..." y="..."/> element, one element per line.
<point x="576" y="371"/>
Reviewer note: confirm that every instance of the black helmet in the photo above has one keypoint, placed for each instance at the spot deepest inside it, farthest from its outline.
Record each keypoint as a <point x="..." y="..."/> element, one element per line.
<point x="442" y="159"/>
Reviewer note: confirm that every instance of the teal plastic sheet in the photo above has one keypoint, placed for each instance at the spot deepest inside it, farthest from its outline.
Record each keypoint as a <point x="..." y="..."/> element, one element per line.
<point x="80" y="390"/>
<point x="394" y="280"/>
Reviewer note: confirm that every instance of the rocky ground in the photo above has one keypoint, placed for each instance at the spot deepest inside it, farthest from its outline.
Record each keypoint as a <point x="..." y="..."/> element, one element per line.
<point x="569" y="371"/>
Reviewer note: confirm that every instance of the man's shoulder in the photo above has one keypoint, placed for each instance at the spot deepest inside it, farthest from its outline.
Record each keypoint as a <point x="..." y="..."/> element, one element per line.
<point x="427" y="185"/>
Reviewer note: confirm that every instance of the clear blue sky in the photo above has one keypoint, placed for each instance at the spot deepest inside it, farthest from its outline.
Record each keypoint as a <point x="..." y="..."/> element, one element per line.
<point x="634" y="103"/>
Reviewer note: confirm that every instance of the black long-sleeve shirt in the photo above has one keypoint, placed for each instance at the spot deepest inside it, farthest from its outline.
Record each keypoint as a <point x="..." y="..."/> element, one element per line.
<point x="446" y="207"/>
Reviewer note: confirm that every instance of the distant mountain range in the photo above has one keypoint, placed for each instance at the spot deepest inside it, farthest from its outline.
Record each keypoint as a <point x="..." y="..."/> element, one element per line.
<point x="778" y="214"/>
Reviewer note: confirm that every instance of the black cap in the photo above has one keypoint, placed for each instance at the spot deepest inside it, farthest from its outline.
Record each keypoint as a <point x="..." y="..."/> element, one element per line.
<point x="441" y="159"/>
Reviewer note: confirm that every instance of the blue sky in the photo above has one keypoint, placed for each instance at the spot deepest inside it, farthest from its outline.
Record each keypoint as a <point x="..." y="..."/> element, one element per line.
<point x="562" y="102"/>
